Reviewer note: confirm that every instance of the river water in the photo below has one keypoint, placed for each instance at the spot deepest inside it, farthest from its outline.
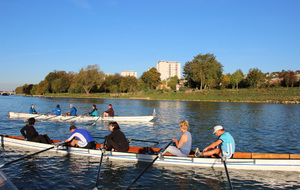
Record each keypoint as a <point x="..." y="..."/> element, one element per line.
<point x="256" y="127"/>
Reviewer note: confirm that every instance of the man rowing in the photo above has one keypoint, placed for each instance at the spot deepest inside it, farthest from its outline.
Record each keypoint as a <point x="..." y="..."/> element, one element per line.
<point x="110" y="112"/>
<point x="184" y="145"/>
<point x="80" y="138"/>
<point x="73" y="111"/>
<point x="32" y="110"/>
<point x="224" y="146"/>
<point x="57" y="110"/>
<point x="31" y="134"/>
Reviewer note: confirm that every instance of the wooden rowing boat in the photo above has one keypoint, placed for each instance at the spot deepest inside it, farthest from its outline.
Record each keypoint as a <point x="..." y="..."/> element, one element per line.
<point x="80" y="118"/>
<point x="245" y="161"/>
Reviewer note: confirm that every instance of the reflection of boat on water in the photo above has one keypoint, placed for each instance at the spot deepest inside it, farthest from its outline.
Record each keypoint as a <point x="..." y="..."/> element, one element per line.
<point x="80" y="118"/>
<point x="245" y="161"/>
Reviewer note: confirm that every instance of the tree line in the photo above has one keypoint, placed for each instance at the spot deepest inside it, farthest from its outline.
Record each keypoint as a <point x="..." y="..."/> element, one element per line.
<point x="203" y="72"/>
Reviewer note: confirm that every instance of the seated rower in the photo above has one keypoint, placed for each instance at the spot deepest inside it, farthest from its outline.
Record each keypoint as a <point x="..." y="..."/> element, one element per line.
<point x="110" y="112"/>
<point x="80" y="138"/>
<point x="57" y="110"/>
<point x="73" y="111"/>
<point x="94" y="112"/>
<point x="32" y="110"/>
<point x="116" y="140"/>
<point x="224" y="146"/>
<point x="184" y="145"/>
<point x="31" y="134"/>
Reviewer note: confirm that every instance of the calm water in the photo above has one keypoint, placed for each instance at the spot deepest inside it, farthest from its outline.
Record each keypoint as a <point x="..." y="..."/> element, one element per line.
<point x="255" y="127"/>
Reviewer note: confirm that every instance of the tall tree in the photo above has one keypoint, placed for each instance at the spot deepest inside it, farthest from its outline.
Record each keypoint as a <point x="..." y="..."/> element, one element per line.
<point x="225" y="80"/>
<point x="128" y="84"/>
<point x="89" y="77"/>
<point x="151" y="78"/>
<point x="236" y="78"/>
<point x="205" y="70"/>
<point x="289" y="78"/>
<point x="255" y="77"/>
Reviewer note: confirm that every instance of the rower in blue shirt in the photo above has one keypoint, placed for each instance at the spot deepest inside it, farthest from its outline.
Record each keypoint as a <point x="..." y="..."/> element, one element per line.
<point x="73" y="111"/>
<point x="57" y="110"/>
<point x="81" y="138"/>
<point x="94" y="112"/>
<point x="224" y="146"/>
<point x="32" y="110"/>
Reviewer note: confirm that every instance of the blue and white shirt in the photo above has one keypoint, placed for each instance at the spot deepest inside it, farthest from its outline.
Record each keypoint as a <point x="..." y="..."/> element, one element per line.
<point x="82" y="134"/>
<point x="228" y="145"/>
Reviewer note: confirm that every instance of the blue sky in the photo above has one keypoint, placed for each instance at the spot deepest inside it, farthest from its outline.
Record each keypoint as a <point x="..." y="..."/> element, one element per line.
<point x="40" y="36"/>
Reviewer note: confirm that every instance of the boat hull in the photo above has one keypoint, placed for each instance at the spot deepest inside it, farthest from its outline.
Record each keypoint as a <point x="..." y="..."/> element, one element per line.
<point x="80" y="118"/>
<point x="133" y="155"/>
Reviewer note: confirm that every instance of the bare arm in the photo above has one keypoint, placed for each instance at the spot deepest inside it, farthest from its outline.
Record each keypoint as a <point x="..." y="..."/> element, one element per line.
<point x="182" y="140"/>
<point x="213" y="145"/>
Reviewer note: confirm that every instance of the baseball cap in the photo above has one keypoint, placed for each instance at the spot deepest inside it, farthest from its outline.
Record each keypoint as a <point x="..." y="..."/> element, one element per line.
<point x="216" y="128"/>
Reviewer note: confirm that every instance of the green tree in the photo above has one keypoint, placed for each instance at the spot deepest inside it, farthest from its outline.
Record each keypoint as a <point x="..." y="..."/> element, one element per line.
<point x="90" y="76"/>
<point x="19" y="90"/>
<point x="255" y="77"/>
<point x="236" y="78"/>
<point x="204" y="70"/>
<point x="289" y="78"/>
<point x="173" y="82"/>
<point x="128" y="84"/>
<point x="151" y="78"/>
<point x="225" y="80"/>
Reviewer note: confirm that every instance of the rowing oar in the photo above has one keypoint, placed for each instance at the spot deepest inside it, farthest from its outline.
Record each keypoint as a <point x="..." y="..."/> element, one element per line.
<point x="8" y="163"/>
<point x="228" y="178"/>
<point x="51" y="117"/>
<point x="42" y="115"/>
<point x="99" y="169"/>
<point x="96" y="120"/>
<point x="130" y="139"/>
<point x="138" y="177"/>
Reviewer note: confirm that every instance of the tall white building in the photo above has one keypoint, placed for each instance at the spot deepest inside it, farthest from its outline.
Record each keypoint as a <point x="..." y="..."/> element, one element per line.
<point x="168" y="69"/>
<point x="129" y="73"/>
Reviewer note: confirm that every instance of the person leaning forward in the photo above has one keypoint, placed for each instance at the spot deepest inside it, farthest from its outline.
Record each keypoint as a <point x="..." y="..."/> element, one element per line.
<point x="224" y="146"/>
<point x="80" y="138"/>
<point x="116" y="140"/>
<point x="31" y="134"/>
<point x="73" y="111"/>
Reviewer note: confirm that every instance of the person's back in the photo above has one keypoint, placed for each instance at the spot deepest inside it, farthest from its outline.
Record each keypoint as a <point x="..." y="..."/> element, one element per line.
<point x="83" y="135"/>
<point x="29" y="132"/>
<point x="228" y="144"/>
<point x="186" y="146"/>
<point x="57" y="110"/>
<point x="73" y="111"/>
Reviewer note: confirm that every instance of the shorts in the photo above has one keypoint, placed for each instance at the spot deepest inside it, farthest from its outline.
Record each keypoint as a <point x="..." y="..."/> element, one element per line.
<point x="89" y="145"/>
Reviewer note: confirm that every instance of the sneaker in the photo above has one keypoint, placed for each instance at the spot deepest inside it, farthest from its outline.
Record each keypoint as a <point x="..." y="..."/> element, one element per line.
<point x="198" y="153"/>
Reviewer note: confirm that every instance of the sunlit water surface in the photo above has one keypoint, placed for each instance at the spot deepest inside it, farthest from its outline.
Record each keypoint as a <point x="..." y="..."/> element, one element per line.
<point x="256" y="128"/>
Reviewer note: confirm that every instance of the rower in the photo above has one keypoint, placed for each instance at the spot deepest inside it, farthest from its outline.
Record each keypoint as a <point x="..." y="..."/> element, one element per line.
<point x="116" y="140"/>
<point x="80" y="138"/>
<point x="224" y="146"/>
<point x="57" y="110"/>
<point x="73" y="111"/>
<point x="110" y="112"/>
<point x="32" y="110"/>
<point x="94" y="112"/>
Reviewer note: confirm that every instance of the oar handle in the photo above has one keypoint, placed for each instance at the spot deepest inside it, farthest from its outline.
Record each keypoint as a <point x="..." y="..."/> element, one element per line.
<point x="227" y="174"/>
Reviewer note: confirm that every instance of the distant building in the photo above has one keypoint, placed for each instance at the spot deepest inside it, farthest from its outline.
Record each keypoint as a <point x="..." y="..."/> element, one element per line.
<point x="168" y="69"/>
<point x="129" y="73"/>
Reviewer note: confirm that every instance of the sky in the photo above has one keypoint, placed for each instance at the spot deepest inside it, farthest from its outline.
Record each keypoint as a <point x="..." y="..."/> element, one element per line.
<point x="40" y="36"/>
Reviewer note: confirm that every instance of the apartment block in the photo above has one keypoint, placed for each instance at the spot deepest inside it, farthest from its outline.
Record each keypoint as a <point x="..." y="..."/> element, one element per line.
<point x="168" y="69"/>
<point x="129" y="73"/>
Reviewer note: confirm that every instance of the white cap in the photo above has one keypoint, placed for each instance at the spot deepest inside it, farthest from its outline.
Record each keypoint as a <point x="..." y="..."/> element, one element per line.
<point x="216" y="128"/>
<point x="71" y="104"/>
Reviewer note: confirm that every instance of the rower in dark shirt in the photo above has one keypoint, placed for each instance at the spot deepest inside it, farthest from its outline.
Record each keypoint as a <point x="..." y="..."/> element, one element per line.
<point x="110" y="112"/>
<point x="116" y="140"/>
<point x="31" y="134"/>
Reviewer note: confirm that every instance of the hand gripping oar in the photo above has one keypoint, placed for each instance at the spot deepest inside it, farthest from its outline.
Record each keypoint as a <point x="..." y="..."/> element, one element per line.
<point x="138" y="177"/>
<point x="8" y="163"/>
<point x="228" y="178"/>
<point x="99" y="169"/>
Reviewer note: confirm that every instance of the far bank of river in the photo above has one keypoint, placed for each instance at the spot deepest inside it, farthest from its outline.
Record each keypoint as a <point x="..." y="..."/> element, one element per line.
<point x="268" y="95"/>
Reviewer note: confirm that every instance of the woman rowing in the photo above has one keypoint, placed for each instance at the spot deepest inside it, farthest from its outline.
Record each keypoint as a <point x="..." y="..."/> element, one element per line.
<point x="116" y="140"/>
<point x="94" y="112"/>
<point x="184" y="145"/>
<point x="32" y="110"/>
<point x="110" y="112"/>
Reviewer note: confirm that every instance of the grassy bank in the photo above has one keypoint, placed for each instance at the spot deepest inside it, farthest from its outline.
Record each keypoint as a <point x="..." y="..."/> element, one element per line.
<point x="270" y="95"/>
